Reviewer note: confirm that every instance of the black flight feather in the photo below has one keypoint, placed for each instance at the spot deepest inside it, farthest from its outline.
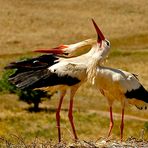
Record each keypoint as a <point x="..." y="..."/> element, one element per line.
<point x="40" y="62"/>
<point x="41" y="78"/>
<point x="43" y="61"/>
<point x="140" y="94"/>
<point x="33" y="73"/>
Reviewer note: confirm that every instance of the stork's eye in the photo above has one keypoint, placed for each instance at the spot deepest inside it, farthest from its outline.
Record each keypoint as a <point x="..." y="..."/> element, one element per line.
<point x="107" y="42"/>
<point x="65" y="53"/>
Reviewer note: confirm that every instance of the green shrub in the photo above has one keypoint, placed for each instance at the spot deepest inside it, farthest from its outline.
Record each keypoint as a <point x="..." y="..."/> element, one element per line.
<point x="5" y="85"/>
<point x="146" y="126"/>
<point x="29" y="96"/>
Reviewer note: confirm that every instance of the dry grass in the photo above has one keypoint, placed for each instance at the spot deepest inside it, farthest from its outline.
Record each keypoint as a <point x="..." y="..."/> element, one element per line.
<point x="27" y="25"/>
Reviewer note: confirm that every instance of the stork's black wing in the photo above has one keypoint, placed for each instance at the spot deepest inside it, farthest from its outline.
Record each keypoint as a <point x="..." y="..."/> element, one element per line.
<point x="40" y="62"/>
<point x="41" y="78"/>
<point x="34" y="63"/>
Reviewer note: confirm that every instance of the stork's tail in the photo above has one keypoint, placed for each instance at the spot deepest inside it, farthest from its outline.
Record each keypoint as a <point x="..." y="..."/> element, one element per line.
<point x="138" y="97"/>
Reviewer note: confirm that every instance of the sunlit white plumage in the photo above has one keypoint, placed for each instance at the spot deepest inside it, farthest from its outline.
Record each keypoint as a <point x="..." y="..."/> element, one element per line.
<point x="112" y="80"/>
<point x="116" y="84"/>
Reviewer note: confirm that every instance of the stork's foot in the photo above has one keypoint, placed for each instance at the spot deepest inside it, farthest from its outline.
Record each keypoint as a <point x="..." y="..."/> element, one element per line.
<point x="76" y="140"/>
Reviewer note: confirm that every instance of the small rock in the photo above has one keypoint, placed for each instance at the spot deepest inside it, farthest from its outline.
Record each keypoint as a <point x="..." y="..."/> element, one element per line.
<point x="103" y="142"/>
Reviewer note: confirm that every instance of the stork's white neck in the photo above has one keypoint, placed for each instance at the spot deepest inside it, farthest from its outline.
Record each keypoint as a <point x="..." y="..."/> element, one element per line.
<point x="97" y="54"/>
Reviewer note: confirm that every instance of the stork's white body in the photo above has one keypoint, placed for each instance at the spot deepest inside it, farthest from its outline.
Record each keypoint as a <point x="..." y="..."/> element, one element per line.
<point x="115" y="83"/>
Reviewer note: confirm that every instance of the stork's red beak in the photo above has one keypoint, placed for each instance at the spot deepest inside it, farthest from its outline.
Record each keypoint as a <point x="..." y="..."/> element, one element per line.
<point x="99" y="33"/>
<point x="56" y="50"/>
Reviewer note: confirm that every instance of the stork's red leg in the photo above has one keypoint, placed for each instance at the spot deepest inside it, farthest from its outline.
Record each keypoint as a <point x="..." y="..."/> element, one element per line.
<point x="70" y="115"/>
<point x="111" y="121"/>
<point x="58" y="114"/>
<point x="71" y="119"/>
<point x="122" y="124"/>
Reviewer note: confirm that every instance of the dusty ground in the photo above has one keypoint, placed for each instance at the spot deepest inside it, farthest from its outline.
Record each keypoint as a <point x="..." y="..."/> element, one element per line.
<point x="100" y="143"/>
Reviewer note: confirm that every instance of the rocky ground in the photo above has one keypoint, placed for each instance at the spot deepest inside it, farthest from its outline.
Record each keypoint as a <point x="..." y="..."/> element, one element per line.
<point x="101" y="143"/>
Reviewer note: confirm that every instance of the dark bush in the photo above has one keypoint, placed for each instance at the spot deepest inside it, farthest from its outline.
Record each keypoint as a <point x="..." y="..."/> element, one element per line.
<point x="33" y="97"/>
<point x="29" y="96"/>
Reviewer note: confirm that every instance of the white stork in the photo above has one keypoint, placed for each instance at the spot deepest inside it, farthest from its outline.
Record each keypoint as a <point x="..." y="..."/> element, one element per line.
<point x="116" y="84"/>
<point x="60" y="73"/>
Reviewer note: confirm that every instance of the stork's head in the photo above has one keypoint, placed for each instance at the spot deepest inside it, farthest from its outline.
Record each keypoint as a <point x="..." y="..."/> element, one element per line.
<point x="98" y="52"/>
<point x="104" y="44"/>
<point x="71" y="50"/>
